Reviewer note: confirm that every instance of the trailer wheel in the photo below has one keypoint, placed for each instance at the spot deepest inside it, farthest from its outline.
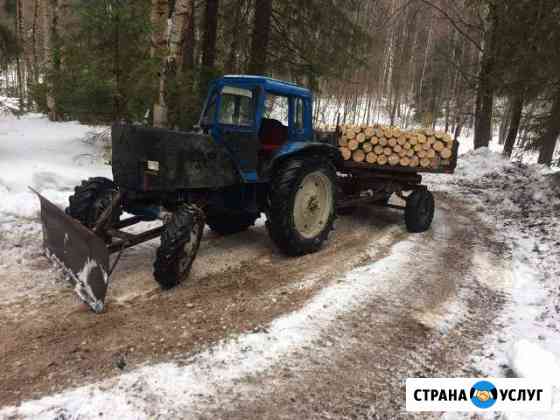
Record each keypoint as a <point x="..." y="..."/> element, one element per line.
<point x="302" y="205"/>
<point x="419" y="211"/>
<point x="180" y="240"/>
<point x="229" y="223"/>
<point x="90" y="199"/>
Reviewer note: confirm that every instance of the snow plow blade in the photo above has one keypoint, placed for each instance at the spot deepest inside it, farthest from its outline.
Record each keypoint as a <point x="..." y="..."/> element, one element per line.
<point x="81" y="254"/>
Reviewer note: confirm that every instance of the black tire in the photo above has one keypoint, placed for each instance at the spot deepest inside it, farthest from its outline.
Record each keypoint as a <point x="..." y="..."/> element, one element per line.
<point x="285" y="184"/>
<point x="90" y="199"/>
<point x="180" y="240"/>
<point x="419" y="211"/>
<point x="385" y="200"/>
<point x="229" y="223"/>
<point x="346" y="211"/>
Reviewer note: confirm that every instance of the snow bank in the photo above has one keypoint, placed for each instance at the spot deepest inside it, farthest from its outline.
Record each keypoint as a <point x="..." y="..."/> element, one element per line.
<point x="529" y="360"/>
<point x="50" y="157"/>
<point x="9" y="107"/>
<point x="522" y="203"/>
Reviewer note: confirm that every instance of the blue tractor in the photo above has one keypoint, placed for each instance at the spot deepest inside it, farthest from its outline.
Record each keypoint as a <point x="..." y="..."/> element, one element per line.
<point x="253" y="152"/>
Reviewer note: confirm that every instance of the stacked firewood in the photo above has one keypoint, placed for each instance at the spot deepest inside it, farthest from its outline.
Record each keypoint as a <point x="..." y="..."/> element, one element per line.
<point x="383" y="145"/>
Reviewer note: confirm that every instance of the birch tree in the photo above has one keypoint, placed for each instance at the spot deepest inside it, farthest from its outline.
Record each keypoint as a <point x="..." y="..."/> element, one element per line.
<point x="173" y="58"/>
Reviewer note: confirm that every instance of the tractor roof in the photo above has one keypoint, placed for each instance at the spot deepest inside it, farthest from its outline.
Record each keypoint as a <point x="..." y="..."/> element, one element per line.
<point x="270" y="85"/>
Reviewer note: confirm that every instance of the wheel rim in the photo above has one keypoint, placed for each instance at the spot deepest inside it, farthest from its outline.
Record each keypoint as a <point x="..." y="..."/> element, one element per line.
<point x="189" y="249"/>
<point x="313" y="204"/>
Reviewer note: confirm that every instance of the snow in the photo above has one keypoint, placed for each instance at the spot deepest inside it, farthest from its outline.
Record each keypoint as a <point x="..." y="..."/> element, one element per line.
<point x="9" y="107"/>
<point x="529" y="360"/>
<point x="522" y="204"/>
<point x="168" y="389"/>
<point x="51" y="158"/>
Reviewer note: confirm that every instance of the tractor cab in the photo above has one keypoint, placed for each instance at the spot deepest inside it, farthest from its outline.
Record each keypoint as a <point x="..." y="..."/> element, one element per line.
<point x="257" y="119"/>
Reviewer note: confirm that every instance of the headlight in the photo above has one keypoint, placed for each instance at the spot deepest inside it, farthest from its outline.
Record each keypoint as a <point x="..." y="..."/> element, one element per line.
<point x="153" y="165"/>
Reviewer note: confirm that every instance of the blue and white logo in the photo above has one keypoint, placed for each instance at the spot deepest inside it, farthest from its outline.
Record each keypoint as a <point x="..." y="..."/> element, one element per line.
<point x="484" y="394"/>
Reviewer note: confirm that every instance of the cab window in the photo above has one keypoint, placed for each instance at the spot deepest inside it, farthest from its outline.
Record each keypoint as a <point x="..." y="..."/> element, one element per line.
<point x="237" y="107"/>
<point x="298" y="117"/>
<point x="276" y="108"/>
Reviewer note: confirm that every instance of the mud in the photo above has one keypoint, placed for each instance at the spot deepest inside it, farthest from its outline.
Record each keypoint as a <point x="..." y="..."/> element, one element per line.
<point x="425" y="325"/>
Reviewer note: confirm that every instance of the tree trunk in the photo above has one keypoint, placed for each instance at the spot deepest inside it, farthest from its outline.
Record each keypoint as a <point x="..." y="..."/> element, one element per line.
<point x="516" y="113"/>
<point x="49" y="30"/>
<point x="231" y="63"/>
<point x="485" y="91"/>
<point x="183" y="10"/>
<point x="209" y="38"/>
<point x="158" y="19"/>
<point x="484" y="109"/>
<point x="551" y="133"/>
<point x="34" y="31"/>
<point x="261" y="35"/>
<point x="189" y="40"/>
<point x="20" y="39"/>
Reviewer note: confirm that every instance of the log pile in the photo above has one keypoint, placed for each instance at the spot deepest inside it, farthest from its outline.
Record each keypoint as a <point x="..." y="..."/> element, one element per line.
<point x="391" y="146"/>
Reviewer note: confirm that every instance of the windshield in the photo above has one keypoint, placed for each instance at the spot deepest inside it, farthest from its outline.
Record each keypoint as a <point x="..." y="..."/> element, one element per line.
<point x="237" y="107"/>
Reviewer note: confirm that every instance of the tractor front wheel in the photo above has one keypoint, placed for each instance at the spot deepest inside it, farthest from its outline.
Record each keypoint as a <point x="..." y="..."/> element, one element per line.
<point x="180" y="240"/>
<point x="302" y="205"/>
<point x="90" y="199"/>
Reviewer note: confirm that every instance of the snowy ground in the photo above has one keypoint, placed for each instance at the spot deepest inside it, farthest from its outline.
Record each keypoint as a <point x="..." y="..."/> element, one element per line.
<point x="521" y="205"/>
<point x="52" y="159"/>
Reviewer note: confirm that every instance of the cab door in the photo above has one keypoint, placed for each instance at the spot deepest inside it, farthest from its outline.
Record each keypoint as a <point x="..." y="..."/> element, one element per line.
<point x="237" y="129"/>
<point x="298" y="124"/>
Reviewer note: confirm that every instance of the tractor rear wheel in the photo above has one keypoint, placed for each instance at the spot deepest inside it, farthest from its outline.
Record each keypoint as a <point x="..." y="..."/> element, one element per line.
<point x="229" y="223"/>
<point x="302" y="205"/>
<point x="419" y="211"/>
<point x="180" y="240"/>
<point x="91" y="199"/>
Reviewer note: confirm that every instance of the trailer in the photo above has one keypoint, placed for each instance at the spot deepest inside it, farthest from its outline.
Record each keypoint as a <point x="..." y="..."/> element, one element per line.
<point x="241" y="161"/>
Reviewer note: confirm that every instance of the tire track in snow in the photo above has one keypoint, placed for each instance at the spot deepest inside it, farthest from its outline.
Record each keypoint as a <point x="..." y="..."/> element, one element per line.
<point x="416" y="312"/>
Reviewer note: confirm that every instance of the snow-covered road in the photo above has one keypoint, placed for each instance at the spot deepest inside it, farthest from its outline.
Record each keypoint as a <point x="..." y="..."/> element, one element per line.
<point x="254" y="334"/>
<point x="413" y="305"/>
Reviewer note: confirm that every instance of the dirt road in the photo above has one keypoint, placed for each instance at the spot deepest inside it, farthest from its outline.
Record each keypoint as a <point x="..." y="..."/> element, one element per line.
<point x="431" y="300"/>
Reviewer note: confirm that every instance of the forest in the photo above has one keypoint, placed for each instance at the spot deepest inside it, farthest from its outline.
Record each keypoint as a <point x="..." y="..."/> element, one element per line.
<point x="488" y="66"/>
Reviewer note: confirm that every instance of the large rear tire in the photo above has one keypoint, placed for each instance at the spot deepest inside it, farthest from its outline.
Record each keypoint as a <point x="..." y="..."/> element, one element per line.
<point x="90" y="199"/>
<point x="302" y="205"/>
<point x="180" y="240"/>
<point x="419" y="211"/>
<point x="230" y="223"/>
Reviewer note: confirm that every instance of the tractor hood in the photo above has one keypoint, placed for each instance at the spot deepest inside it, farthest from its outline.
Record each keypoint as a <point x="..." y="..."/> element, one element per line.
<point x="154" y="159"/>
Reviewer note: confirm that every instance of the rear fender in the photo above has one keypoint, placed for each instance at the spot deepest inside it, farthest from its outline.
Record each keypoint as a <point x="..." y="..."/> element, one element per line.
<point x="290" y="150"/>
